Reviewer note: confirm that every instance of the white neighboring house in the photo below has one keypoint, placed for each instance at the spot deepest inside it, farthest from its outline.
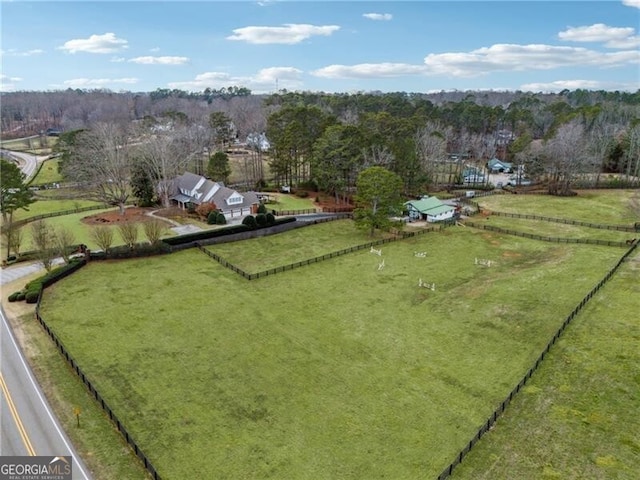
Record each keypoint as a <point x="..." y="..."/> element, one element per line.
<point x="196" y="189"/>
<point x="430" y="209"/>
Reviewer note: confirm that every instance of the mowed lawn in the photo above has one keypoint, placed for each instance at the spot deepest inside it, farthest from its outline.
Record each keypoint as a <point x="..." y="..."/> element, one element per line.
<point x="335" y="370"/>
<point x="259" y="254"/>
<point x="578" y="416"/>
<point x="609" y="207"/>
<point x="557" y="230"/>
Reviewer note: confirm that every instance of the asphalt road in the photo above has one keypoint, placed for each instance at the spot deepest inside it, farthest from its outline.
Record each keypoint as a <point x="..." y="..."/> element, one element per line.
<point x="27" y="162"/>
<point x="27" y="422"/>
<point x="28" y="426"/>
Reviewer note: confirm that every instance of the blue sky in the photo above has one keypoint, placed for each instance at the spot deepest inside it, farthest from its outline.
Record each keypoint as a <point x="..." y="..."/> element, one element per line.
<point x="330" y="46"/>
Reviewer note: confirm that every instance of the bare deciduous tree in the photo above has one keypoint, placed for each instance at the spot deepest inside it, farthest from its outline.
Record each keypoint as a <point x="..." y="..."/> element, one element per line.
<point x="566" y="157"/>
<point x="103" y="236"/>
<point x="129" y="233"/>
<point x="169" y="153"/>
<point x="154" y="230"/>
<point x="431" y="146"/>
<point x="64" y="240"/>
<point x="100" y="163"/>
<point x="43" y="240"/>
<point x="13" y="238"/>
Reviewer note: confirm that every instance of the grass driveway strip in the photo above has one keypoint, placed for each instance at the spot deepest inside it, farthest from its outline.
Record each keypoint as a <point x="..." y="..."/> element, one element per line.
<point x="336" y="370"/>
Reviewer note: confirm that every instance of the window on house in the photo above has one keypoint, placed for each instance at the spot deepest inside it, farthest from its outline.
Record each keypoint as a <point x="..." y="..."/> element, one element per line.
<point x="234" y="199"/>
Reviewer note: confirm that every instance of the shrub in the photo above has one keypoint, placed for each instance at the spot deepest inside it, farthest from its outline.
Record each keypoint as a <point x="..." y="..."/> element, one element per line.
<point x="205" y="209"/>
<point x="35" y="284"/>
<point x="204" y="235"/>
<point x="21" y="295"/>
<point x="221" y="220"/>
<point x="13" y="297"/>
<point x="212" y="218"/>
<point x="261" y="220"/>
<point x="32" y="296"/>
<point x="309" y="185"/>
<point x="262" y="208"/>
<point x="271" y="218"/>
<point x="250" y="221"/>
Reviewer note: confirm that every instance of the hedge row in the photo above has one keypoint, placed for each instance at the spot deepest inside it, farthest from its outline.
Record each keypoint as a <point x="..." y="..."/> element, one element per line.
<point x="32" y="290"/>
<point x="207" y="234"/>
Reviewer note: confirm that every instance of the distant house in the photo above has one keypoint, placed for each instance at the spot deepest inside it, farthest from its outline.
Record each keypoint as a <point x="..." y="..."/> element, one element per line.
<point x="52" y="132"/>
<point x="472" y="174"/>
<point x="498" y="166"/>
<point x="193" y="189"/>
<point x="430" y="209"/>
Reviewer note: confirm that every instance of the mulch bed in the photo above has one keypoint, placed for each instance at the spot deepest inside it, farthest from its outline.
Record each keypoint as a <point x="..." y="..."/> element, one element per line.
<point x="131" y="214"/>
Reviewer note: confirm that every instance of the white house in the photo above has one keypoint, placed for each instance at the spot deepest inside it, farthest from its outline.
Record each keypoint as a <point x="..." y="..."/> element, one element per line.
<point x="190" y="188"/>
<point x="430" y="209"/>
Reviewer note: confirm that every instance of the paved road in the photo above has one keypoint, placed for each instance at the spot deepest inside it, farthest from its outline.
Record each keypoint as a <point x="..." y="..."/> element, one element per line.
<point x="28" y="163"/>
<point x="28" y="425"/>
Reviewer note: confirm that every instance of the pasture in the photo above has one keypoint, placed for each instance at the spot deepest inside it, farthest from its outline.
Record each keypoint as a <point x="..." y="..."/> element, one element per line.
<point x="578" y="416"/>
<point x="336" y="370"/>
<point x="611" y="207"/>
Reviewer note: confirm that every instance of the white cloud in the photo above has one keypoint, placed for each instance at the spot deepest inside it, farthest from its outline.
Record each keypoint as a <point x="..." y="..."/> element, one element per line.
<point x="496" y="58"/>
<point x="12" y="52"/>
<point x="631" y="3"/>
<point x="107" y="43"/>
<point x="160" y="60"/>
<point x="612" y="37"/>
<point x="370" y="70"/>
<point x="289" y="34"/>
<point x="508" y="57"/>
<point x="378" y="16"/>
<point x="97" y="82"/>
<point x="7" y="83"/>
<point x="154" y="49"/>
<point x="262" y="81"/>
<point x="560" y="85"/>
<point x="118" y="59"/>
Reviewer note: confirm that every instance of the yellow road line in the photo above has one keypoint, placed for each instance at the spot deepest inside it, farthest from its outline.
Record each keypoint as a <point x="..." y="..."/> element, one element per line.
<point x="16" y="418"/>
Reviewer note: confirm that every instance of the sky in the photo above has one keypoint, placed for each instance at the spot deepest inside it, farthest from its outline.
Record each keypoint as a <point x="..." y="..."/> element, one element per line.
<point x="330" y="46"/>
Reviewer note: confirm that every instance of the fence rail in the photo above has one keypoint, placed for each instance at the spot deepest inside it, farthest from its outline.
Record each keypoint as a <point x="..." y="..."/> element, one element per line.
<point x="87" y="383"/>
<point x="19" y="223"/>
<point x="486" y="426"/>
<point x="533" y="236"/>
<point x="281" y="213"/>
<point x="622" y="228"/>
<point x="320" y="258"/>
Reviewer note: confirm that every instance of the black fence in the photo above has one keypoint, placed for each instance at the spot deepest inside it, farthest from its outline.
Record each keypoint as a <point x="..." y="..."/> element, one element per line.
<point x="281" y="213"/>
<point x="87" y="383"/>
<point x="533" y="236"/>
<point x="321" y="258"/>
<point x="622" y="228"/>
<point x="19" y="223"/>
<point x="486" y="426"/>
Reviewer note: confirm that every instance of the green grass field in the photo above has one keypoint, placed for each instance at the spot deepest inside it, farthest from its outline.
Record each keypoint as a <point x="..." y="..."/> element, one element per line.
<point x="261" y="254"/>
<point x="41" y="207"/>
<point x="557" y="230"/>
<point x="578" y="416"/>
<point x="284" y="201"/>
<point x="610" y="207"/>
<point x="38" y="145"/>
<point x="336" y="370"/>
<point x="48" y="173"/>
